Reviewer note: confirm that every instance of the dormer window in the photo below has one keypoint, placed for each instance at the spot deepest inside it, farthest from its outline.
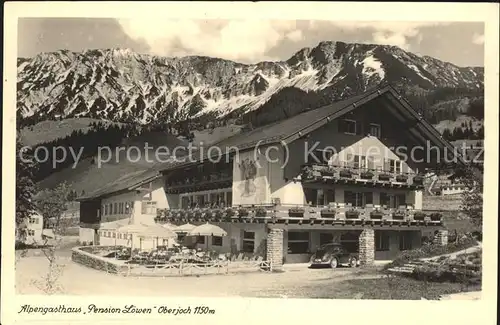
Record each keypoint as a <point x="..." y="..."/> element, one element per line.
<point x="347" y="126"/>
<point x="375" y="130"/>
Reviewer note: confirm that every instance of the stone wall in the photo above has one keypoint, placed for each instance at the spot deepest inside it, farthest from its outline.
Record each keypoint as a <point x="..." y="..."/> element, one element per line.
<point x="367" y="247"/>
<point x="97" y="262"/>
<point x="441" y="237"/>
<point x="274" y="249"/>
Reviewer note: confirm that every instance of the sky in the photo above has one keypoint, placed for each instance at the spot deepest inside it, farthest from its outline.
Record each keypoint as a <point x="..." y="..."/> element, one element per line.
<point x="248" y="41"/>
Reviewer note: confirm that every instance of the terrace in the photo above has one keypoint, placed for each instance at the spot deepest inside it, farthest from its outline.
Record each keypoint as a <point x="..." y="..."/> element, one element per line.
<point x="333" y="214"/>
<point x="332" y="174"/>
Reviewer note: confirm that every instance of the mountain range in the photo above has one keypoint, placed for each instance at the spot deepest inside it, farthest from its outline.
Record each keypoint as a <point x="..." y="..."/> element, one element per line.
<point x="120" y="85"/>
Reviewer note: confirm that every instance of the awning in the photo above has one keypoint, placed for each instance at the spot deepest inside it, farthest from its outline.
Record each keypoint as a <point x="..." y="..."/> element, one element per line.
<point x="208" y="229"/>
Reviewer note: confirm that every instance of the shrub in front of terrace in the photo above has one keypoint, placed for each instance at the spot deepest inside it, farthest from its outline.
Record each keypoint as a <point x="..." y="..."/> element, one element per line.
<point x="431" y="249"/>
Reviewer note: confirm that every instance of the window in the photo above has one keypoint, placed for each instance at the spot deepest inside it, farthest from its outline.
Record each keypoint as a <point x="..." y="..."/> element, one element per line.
<point x="229" y="199"/>
<point x="31" y="232"/>
<point x="104" y="209"/>
<point x="248" y="242"/>
<point x="357" y="161"/>
<point x="353" y="198"/>
<point x="127" y="207"/>
<point x="149" y="207"/>
<point x="325" y="238"/>
<point x="392" y="200"/>
<point x="405" y="241"/>
<point x="395" y="166"/>
<point x="362" y="162"/>
<point x="358" y="199"/>
<point x="216" y="241"/>
<point x="185" y="202"/>
<point x="382" y="240"/>
<point x="200" y="240"/>
<point x="375" y="130"/>
<point x="114" y="234"/>
<point x="122" y="207"/>
<point x="319" y="197"/>
<point x="115" y="208"/>
<point x="347" y="126"/>
<point x="110" y="208"/>
<point x="298" y="242"/>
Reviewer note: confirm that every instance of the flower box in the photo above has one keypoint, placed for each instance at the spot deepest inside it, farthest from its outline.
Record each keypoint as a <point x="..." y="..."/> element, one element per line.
<point x="345" y="173"/>
<point x="294" y="212"/>
<point x="307" y="172"/>
<point x="401" y="178"/>
<point x="418" y="180"/>
<point x="242" y="212"/>
<point x="436" y="216"/>
<point x="376" y="214"/>
<point x="328" y="172"/>
<point x="328" y="213"/>
<point x="420" y="216"/>
<point x="398" y="215"/>
<point x="230" y="212"/>
<point x="366" y="175"/>
<point x="217" y="213"/>
<point x="352" y="214"/>
<point x="260" y="213"/>
<point x="385" y="177"/>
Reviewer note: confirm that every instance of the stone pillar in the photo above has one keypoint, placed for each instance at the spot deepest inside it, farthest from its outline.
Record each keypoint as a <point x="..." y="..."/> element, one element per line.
<point x="441" y="237"/>
<point x="367" y="247"/>
<point x="274" y="249"/>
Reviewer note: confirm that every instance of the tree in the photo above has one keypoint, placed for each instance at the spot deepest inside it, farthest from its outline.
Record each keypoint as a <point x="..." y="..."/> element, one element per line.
<point x="51" y="203"/>
<point x="25" y="186"/>
<point x="472" y="197"/>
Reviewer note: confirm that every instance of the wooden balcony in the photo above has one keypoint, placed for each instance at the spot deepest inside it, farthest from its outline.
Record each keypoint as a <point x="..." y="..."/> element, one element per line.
<point x="334" y="214"/>
<point x="360" y="176"/>
<point x="200" y="183"/>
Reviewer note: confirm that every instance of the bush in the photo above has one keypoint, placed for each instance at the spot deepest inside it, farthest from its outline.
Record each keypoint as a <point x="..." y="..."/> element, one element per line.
<point x="430" y="250"/>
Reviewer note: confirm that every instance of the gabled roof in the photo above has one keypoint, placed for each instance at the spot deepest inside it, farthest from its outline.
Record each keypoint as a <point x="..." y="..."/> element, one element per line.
<point x="127" y="183"/>
<point x="295" y="127"/>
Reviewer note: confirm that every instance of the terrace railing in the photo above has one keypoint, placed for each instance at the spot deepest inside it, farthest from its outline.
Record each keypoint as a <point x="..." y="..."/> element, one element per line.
<point x="338" y="212"/>
<point x="347" y="174"/>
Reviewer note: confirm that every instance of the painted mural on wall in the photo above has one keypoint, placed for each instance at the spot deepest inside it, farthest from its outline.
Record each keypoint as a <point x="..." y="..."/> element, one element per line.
<point x="248" y="169"/>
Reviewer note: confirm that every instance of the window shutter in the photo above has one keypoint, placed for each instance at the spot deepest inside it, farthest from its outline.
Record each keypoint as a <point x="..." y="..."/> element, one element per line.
<point x="371" y="163"/>
<point x="387" y="164"/>
<point x="404" y="167"/>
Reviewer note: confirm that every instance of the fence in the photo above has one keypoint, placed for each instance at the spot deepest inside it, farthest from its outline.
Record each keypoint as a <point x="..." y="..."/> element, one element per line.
<point x="84" y="256"/>
<point x="194" y="269"/>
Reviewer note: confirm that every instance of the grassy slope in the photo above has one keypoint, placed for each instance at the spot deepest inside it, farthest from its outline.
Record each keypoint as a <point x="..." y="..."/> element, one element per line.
<point x="47" y="131"/>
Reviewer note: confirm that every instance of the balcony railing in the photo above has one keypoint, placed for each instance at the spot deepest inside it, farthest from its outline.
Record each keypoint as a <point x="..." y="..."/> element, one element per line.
<point x="360" y="175"/>
<point x="209" y="181"/>
<point x="335" y="212"/>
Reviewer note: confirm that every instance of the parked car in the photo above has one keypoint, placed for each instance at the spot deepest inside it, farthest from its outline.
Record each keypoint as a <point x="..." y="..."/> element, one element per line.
<point x="333" y="255"/>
